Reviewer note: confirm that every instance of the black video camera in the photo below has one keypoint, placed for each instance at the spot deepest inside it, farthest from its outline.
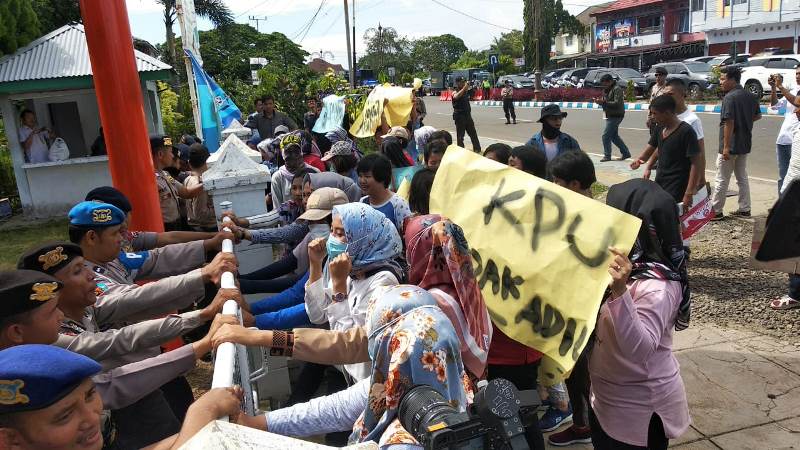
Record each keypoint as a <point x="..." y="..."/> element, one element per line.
<point x="497" y="419"/>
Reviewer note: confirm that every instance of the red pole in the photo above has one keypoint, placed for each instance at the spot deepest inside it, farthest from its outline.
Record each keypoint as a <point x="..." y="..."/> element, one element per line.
<point x="116" y="82"/>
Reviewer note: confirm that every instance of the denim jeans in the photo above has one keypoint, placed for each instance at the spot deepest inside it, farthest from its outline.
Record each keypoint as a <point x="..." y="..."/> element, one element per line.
<point x="794" y="286"/>
<point x="611" y="134"/>
<point x="784" y="153"/>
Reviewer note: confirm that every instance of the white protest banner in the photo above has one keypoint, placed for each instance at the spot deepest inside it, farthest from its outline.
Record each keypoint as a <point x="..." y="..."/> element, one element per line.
<point x="331" y="116"/>
<point x="698" y="215"/>
<point x="539" y="251"/>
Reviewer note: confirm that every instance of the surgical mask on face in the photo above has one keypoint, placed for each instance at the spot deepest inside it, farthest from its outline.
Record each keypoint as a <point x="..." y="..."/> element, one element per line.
<point x="335" y="247"/>
<point x="319" y="230"/>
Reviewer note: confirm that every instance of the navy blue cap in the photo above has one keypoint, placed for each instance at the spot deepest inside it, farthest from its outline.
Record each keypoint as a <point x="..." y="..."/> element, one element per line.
<point x="95" y="214"/>
<point x="49" y="258"/>
<point x="35" y="376"/>
<point x="112" y="195"/>
<point x="183" y="152"/>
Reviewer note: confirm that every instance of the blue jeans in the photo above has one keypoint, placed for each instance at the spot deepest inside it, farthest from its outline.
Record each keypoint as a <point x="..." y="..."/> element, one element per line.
<point x="784" y="153"/>
<point x="611" y="134"/>
<point x="794" y="286"/>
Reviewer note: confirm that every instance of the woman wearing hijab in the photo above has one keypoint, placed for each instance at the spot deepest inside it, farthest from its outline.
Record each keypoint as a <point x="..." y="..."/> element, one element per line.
<point x="638" y="398"/>
<point x="364" y="252"/>
<point x="439" y="261"/>
<point x="411" y="342"/>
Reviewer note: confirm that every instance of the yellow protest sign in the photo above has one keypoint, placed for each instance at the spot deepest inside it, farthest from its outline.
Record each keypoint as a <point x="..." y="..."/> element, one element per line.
<point x="397" y="110"/>
<point x="539" y="251"/>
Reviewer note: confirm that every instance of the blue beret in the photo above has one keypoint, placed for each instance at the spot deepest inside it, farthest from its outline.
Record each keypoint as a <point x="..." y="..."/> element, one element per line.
<point x="36" y="376"/>
<point x="95" y="214"/>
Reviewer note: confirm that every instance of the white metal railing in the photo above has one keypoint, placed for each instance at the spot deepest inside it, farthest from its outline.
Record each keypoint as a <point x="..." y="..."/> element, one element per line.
<point x="231" y="361"/>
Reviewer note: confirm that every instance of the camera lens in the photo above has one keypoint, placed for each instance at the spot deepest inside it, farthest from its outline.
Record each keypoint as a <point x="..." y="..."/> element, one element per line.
<point x="421" y="407"/>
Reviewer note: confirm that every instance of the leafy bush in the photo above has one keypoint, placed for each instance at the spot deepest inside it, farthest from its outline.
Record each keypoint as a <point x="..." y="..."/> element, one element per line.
<point x="570" y="94"/>
<point x="630" y="92"/>
<point x="8" y="183"/>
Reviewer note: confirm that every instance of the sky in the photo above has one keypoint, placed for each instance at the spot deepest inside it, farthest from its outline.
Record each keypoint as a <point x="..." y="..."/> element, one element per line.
<point x="412" y="18"/>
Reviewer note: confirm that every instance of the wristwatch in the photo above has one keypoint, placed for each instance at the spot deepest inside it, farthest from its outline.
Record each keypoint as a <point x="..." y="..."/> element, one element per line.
<point x="339" y="297"/>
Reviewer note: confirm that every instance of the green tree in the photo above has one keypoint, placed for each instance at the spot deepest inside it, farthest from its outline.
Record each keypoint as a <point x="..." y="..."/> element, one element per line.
<point x="510" y="44"/>
<point x="227" y="50"/>
<point x="54" y="14"/>
<point x="544" y="19"/>
<point x="471" y="59"/>
<point x="18" y="25"/>
<point x="175" y="122"/>
<point x="214" y="10"/>
<point x="385" y="48"/>
<point x="437" y="52"/>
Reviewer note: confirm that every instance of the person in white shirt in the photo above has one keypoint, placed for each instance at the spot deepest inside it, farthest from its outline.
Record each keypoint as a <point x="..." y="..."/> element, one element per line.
<point x="364" y="251"/>
<point x="33" y="138"/>
<point x="790" y="121"/>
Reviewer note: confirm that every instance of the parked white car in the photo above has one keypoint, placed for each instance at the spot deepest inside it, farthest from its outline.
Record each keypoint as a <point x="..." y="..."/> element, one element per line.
<point x="756" y="72"/>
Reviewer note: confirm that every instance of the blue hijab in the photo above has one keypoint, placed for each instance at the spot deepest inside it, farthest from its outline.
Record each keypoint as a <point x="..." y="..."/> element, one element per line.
<point x="372" y="239"/>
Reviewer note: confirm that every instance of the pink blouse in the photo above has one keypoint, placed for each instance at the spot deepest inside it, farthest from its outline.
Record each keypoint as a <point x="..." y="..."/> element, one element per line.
<point x="633" y="371"/>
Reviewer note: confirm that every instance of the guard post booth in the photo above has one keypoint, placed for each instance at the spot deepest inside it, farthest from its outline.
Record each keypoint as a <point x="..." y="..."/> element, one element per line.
<point x="52" y="76"/>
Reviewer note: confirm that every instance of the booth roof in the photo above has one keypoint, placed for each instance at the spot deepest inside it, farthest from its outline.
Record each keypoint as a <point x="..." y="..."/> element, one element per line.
<point x="60" y="60"/>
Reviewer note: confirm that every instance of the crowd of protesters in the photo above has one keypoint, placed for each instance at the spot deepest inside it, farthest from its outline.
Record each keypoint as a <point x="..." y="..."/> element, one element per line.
<point x="374" y="294"/>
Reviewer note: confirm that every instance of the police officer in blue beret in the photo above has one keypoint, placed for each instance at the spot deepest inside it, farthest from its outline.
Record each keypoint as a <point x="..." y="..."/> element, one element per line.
<point x="48" y="401"/>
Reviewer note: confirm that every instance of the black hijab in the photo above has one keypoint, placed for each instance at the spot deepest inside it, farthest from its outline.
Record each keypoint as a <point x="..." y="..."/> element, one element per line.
<point x="658" y="252"/>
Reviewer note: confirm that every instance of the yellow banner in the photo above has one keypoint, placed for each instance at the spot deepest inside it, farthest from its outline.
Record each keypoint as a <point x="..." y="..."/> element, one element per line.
<point x="540" y="252"/>
<point x="397" y="110"/>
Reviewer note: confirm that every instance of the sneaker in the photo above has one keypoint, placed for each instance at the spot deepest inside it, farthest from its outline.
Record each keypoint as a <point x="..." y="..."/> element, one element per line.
<point x="572" y="435"/>
<point x="554" y="418"/>
<point x="717" y="217"/>
<point x="738" y="213"/>
<point x="605" y="159"/>
<point x="623" y="158"/>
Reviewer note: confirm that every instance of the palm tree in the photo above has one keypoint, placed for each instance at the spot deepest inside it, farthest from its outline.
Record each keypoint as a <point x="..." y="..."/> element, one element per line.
<point x="214" y="10"/>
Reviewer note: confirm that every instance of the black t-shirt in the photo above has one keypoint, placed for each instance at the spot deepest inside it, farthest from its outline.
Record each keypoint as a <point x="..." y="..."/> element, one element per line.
<point x="741" y="106"/>
<point x="461" y="104"/>
<point x="674" y="158"/>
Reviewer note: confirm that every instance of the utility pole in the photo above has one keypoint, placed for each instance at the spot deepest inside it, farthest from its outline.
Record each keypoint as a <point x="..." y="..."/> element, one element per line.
<point x="536" y="21"/>
<point x="257" y="19"/>
<point x="355" y="61"/>
<point x="347" y="33"/>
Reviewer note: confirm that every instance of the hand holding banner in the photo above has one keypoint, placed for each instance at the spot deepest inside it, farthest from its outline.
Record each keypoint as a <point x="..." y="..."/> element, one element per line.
<point x="540" y="252"/>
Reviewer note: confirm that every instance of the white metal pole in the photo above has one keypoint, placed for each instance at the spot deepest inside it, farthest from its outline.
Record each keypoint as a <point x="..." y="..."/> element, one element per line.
<point x="347" y="33"/>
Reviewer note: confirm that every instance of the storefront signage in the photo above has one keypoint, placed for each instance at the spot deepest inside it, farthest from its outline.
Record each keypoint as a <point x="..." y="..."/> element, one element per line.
<point x="602" y="38"/>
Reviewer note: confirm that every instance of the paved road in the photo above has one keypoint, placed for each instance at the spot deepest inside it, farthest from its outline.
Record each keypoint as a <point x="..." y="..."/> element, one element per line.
<point x="587" y="126"/>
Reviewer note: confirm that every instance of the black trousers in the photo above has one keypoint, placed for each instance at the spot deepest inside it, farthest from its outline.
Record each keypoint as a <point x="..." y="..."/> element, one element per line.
<point x="656" y="438"/>
<point x="524" y="378"/>
<point x="464" y="124"/>
<point x="578" y="385"/>
<point x="508" y="109"/>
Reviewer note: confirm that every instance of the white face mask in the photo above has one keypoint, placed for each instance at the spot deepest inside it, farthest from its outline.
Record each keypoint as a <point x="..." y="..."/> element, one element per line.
<point x="319" y="230"/>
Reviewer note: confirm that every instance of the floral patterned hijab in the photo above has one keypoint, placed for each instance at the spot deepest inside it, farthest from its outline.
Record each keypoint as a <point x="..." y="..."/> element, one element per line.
<point x="438" y="257"/>
<point x="411" y="342"/>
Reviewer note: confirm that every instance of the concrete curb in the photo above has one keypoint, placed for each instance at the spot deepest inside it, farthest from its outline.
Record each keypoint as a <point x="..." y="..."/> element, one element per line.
<point x="712" y="109"/>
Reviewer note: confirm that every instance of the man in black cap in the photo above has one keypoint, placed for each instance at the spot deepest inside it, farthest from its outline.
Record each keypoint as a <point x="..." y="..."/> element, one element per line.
<point x="462" y="115"/>
<point x="29" y="311"/>
<point x="507" y="94"/>
<point x="661" y="83"/>
<point x="170" y="190"/>
<point x="613" y="103"/>
<point x="551" y="140"/>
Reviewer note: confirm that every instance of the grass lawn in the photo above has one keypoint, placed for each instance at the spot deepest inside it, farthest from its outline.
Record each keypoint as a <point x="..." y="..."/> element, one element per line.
<point x="14" y="241"/>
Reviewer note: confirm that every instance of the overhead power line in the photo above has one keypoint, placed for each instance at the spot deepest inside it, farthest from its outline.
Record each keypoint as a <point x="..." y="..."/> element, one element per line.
<point x="254" y="7"/>
<point x="470" y="16"/>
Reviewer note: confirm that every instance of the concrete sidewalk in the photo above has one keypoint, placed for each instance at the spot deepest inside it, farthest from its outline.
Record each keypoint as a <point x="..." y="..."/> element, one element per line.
<point x="743" y="390"/>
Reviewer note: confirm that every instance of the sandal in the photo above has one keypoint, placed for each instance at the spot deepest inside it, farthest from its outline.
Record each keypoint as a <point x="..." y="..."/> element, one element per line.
<point x="784" y="303"/>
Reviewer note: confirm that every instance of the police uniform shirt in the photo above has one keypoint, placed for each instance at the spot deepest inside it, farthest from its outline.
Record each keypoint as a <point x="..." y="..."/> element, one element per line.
<point x="168" y="189"/>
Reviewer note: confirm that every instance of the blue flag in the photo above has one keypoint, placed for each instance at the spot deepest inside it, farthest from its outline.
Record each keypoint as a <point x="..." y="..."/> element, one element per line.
<point x="217" y="110"/>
